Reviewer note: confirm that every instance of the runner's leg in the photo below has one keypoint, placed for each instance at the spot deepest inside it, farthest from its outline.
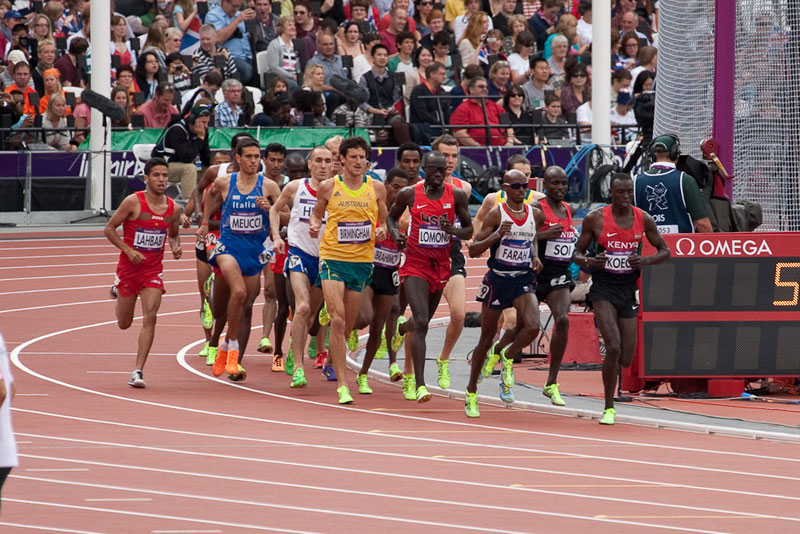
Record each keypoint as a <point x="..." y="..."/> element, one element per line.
<point x="151" y="301"/>
<point x="455" y="293"/>
<point x="558" y="301"/>
<point x="270" y="302"/>
<point x="489" y="319"/>
<point x="606" y="316"/>
<point x="383" y="305"/>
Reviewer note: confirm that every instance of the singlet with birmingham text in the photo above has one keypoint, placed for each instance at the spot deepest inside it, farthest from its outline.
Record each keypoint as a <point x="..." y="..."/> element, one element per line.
<point x="426" y="239"/>
<point x="618" y="244"/>
<point x="148" y="232"/>
<point x="511" y="256"/>
<point x="352" y="217"/>
<point x="304" y="201"/>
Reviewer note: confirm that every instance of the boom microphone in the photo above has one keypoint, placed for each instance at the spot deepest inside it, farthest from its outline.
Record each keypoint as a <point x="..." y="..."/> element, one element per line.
<point x="104" y="105"/>
<point x="350" y="89"/>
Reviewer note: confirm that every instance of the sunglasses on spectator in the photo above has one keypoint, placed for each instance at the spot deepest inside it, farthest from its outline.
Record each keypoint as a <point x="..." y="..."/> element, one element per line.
<point x="579" y="75"/>
<point x="515" y="95"/>
<point x="426" y="3"/>
<point x="517" y="185"/>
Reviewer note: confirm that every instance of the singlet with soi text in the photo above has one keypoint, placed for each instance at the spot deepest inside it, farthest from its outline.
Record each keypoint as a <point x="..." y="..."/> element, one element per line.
<point x="148" y="232"/>
<point x="511" y="256"/>
<point x="618" y="244"/>
<point x="556" y="253"/>
<point x="304" y="201"/>
<point x="245" y="226"/>
<point x="426" y="239"/>
<point x="350" y="230"/>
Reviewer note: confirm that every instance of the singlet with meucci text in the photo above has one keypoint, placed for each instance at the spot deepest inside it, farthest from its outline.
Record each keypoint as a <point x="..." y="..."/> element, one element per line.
<point x="618" y="244"/>
<point x="305" y="199"/>
<point x="245" y="226"/>
<point x="148" y="232"/>
<point x="511" y="256"/>
<point x="426" y="239"/>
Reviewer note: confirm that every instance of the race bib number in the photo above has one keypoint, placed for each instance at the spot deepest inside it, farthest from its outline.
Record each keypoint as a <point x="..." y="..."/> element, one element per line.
<point x="483" y="290"/>
<point x="386" y="257"/>
<point x="431" y="236"/>
<point x="149" y="240"/>
<point x="246" y="223"/>
<point x="514" y="252"/>
<point x="265" y="257"/>
<point x="617" y="262"/>
<point x="354" y="233"/>
<point x="294" y="261"/>
<point x="559" y="249"/>
<point x="667" y="228"/>
<point x="396" y="279"/>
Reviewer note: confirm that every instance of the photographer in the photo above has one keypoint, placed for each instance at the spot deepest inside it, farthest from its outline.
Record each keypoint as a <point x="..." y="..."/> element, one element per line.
<point x="229" y="20"/>
<point x="209" y="57"/>
<point x="178" y="74"/>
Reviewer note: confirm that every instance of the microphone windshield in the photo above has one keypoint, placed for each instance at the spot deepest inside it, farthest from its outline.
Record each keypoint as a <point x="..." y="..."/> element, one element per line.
<point x="104" y="105"/>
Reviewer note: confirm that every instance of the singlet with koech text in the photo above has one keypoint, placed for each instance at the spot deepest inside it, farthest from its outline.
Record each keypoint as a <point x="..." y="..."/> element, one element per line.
<point x="426" y="239"/>
<point x="556" y="253"/>
<point x="245" y="226"/>
<point x="148" y="232"/>
<point x="618" y="244"/>
<point x="304" y="201"/>
<point x="511" y="256"/>
<point x="349" y="233"/>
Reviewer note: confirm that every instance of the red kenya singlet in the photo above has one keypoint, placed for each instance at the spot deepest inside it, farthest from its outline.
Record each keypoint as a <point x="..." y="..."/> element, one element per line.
<point x="147" y="233"/>
<point x="619" y="243"/>
<point x="556" y="253"/>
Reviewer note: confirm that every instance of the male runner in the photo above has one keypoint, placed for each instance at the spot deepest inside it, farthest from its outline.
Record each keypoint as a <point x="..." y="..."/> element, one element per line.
<point x="147" y="217"/>
<point x="617" y="232"/>
<point x="510" y="231"/>
<point x="433" y="205"/>
<point x="379" y="296"/>
<point x="356" y="205"/>
<point x="303" y="253"/>
<point x="409" y="158"/>
<point x="245" y="198"/>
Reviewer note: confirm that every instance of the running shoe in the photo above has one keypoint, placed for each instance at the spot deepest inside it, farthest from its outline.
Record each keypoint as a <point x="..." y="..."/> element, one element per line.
<point x="329" y="373"/>
<point x="232" y="362"/>
<point x="277" y="363"/>
<point x="506" y="395"/>
<point x="409" y="385"/>
<point x="204" y="350"/>
<point x="264" y="346"/>
<point x="312" y="347"/>
<point x="207" y="285"/>
<point x="136" y="381"/>
<point x="507" y="374"/>
<point x="352" y="341"/>
<point x="397" y="338"/>
<point x="289" y="365"/>
<point x="555" y="396"/>
<point x="443" y="373"/>
<point x="219" y="362"/>
<point x="395" y="373"/>
<point x="299" y="379"/>
<point x="363" y="385"/>
<point x="344" y="395"/>
<point x="240" y="376"/>
<point x="324" y="317"/>
<point x="471" y="405"/>
<point x="319" y="363"/>
<point x="211" y="357"/>
<point x="112" y="291"/>
<point x="608" y="416"/>
<point x="206" y="317"/>
<point x="489" y="363"/>
<point x="383" y="350"/>
<point x="422" y="394"/>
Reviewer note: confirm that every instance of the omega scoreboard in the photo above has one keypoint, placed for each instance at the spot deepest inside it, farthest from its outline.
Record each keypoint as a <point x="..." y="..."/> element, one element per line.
<point x="724" y="305"/>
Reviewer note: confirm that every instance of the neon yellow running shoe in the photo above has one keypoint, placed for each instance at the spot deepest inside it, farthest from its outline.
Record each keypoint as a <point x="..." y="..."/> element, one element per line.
<point x="507" y="375"/>
<point x="289" y="365"/>
<point x="423" y="395"/>
<point x="383" y="350"/>
<point x="363" y="385"/>
<point x="264" y="346"/>
<point x="206" y="317"/>
<point x="211" y="356"/>
<point x="207" y="285"/>
<point x="552" y="392"/>
<point x="489" y="363"/>
<point x="471" y="405"/>
<point x="443" y="378"/>
<point x="324" y="316"/>
<point x="299" y="379"/>
<point x="204" y="351"/>
<point x="352" y="341"/>
<point x="395" y="373"/>
<point x="397" y="338"/>
<point x="344" y="395"/>
<point x="608" y="416"/>
<point x="409" y="387"/>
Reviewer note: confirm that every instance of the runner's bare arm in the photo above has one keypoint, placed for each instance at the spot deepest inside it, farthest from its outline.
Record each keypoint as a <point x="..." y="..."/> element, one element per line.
<point x="214" y="199"/>
<point x="462" y="212"/>
<point x="590" y="230"/>
<point x="127" y="210"/>
<point x="486" y="206"/>
<point x="197" y="193"/>
<point x="662" y="250"/>
<point x="174" y="236"/>
<point x="491" y="232"/>
<point x="380" y="194"/>
<point x="323" y="196"/>
<point x="403" y="200"/>
<point x="538" y="216"/>
<point x="285" y="200"/>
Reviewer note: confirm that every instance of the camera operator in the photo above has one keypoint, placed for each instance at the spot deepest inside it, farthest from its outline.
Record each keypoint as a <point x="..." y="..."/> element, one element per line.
<point x="178" y="74"/>
<point x="229" y="20"/>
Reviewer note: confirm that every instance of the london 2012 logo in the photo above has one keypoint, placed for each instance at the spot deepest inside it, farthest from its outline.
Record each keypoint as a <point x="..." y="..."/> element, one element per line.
<point x="686" y="246"/>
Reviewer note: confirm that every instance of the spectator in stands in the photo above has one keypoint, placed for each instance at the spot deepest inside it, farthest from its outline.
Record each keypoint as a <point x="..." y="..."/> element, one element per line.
<point x="629" y="50"/>
<point x="499" y="76"/>
<point x="441" y="53"/>
<point x="122" y="98"/>
<point x="22" y="75"/>
<point x="620" y="79"/>
<point x="422" y="11"/>
<point x="183" y="11"/>
<point x="520" y="60"/>
<point x="158" y="111"/>
<point x="156" y="42"/>
<point x="473" y="36"/>
<point x="644" y="82"/>
<point x="351" y="115"/>
<point x="634" y="21"/>
<point x="492" y="47"/>
<point x="543" y="23"/>
<point x="148" y="72"/>
<point x="471" y="113"/>
<point x="54" y="124"/>
<point x="551" y="117"/>
<point x="628" y="24"/>
<point x="7" y="75"/>
<point x="311" y="103"/>
<point x="648" y="61"/>
<point x="473" y="7"/>
<point x="517" y="24"/>
<point x="423" y="58"/>
<point x="41" y="28"/>
<point x="119" y="41"/>
<point x="430" y="113"/>
<point x="503" y="18"/>
<point x="229" y="112"/>
<point x="583" y="116"/>
<point x="306" y="22"/>
<point x="576" y="91"/>
<point x="390" y="35"/>
<point x="402" y="60"/>
<point x="622" y="115"/>
<point x="359" y="13"/>
<point x="378" y="81"/>
<point x="172" y="41"/>
<point x="52" y="86"/>
<point x="281" y="55"/>
<point x="327" y="57"/>
<point x="560" y="48"/>
<point x="73" y="16"/>
<point x="452" y="10"/>
<point x="584" y="27"/>
<point x="67" y="65"/>
<point x="126" y="79"/>
<point x="409" y="26"/>
<point x="470" y="72"/>
<point x="10" y="19"/>
<point x="185" y="142"/>
<point x="519" y="116"/>
<point x="281" y="111"/>
<point x="204" y="59"/>
<point x="46" y="52"/>
<point x="350" y="43"/>
<point x="537" y="87"/>
<point x="362" y="63"/>
<point x="229" y="20"/>
<point x="83" y="118"/>
<point x="211" y="84"/>
<point x="266" y="25"/>
<point x="314" y="78"/>
<point x="178" y="74"/>
<point x="435" y="25"/>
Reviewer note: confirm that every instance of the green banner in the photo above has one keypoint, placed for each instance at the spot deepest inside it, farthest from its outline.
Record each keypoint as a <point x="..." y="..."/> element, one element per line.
<point x="220" y="138"/>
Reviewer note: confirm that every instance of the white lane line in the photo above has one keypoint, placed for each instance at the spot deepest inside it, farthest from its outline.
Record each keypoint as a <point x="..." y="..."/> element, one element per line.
<point x="125" y="354"/>
<point x="81" y="303"/>
<point x="81" y="288"/>
<point x="185" y="236"/>
<point x="31" y="394"/>
<point x="181" y="531"/>
<point x="43" y="470"/>
<point x="58" y="256"/>
<point x="382" y="517"/>
<point x="83" y="275"/>
<point x="49" y="529"/>
<point x="109" y="372"/>
<point x="128" y="499"/>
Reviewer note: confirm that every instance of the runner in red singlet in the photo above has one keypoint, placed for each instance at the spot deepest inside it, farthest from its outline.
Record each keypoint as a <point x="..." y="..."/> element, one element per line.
<point x="148" y="217"/>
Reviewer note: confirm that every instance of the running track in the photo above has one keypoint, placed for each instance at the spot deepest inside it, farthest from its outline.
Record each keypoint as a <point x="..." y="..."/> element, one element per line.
<point x="196" y="454"/>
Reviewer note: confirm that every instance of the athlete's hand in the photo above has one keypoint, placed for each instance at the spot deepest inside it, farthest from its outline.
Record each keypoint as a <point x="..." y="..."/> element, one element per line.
<point x="445" y="224"/>
<point x="505" y="227"/>
<point x="380" y="233"/>
<point x="313" y="229"/>
<point x="636" y="261"/>
<point x="400" y="240"/>
<point x="201" y="233"/>
<point x="186" y="222"/>
<point x="598" y="262"/>
<point x="263" y="203"/>
<point x="537" y="265"/>
<point x="278" y="246"/>
<point x="554" y="231"/>
<point x="177" y="252"/>
<point x="135" y="256"/>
